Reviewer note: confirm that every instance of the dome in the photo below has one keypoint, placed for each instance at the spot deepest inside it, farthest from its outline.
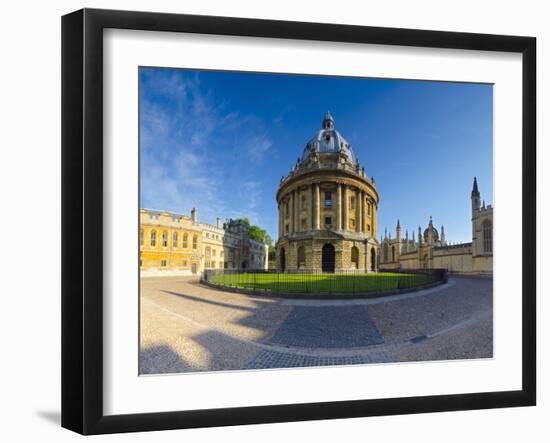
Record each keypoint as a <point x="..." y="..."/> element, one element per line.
<point x="435" y="234"/>
<point x="328" y="141"/>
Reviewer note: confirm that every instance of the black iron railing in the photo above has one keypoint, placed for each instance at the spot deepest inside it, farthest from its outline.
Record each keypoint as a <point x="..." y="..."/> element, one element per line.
<point x="310" y="281"/>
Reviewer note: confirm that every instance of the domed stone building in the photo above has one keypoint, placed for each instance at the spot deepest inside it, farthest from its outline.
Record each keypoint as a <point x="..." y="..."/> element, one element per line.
<point x="327" y="209"/>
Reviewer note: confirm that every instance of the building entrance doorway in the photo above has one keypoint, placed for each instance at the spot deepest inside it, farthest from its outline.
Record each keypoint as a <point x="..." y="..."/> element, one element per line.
<point x="282" y="264"/>
<point x="328" y="258"/>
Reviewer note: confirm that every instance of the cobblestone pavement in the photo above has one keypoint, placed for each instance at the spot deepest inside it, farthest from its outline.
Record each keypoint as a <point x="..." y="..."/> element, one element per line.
<point x="189" y="327"/>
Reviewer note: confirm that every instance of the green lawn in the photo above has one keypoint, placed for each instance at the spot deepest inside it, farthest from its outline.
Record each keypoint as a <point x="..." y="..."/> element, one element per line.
<point x="321" y="282"/>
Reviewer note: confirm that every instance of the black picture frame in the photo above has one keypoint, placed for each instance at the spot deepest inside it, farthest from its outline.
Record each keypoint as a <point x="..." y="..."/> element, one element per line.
<point x="82" y="218"/>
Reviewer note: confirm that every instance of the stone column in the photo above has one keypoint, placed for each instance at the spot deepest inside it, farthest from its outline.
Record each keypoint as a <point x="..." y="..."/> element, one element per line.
<point x="291" y="212"/>
<point x="339" y="207"/>
<point x="363" y="213"/>
<point x="311" y="206"/>
<point x="358" y="206"/>
<point x="297" y="226"/>
<point x="374" y="224"/>
<point x="280" y="223"/>
<point x="345" y="207"/>
<point x="316" y="206"/>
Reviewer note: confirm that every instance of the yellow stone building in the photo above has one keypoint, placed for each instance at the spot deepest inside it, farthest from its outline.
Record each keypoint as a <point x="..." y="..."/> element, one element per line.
<point x="432" y="251"/>
<point x="328" y="209"/>
<point x="169" y="241"/>
<point x="175" y="244"/>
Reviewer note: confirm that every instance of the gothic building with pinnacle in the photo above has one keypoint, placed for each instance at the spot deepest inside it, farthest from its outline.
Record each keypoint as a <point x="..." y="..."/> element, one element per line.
<point x="328" y="209"/>
<point x="431" y="249"/>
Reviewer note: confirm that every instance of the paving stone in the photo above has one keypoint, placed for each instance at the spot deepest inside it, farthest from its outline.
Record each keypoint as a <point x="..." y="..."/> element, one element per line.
<point x="270" y="359"/>
<point x="328" y="327"/>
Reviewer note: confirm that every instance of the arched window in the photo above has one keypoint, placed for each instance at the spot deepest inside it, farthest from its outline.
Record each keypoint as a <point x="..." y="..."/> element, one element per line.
<point x="352" y="203"/>
<point x="385" y="253"/>
<point x="207" y="251"/>
<point x="393" y="253"/>
<point x="487" y="236"/>
<point x="301" y="257"/>
<point x="153" y="239"/>
<point x="174" y="239"/>
<point x="184" y="241"/>
<point x="372" y="259"/>
<point x="141" y="237"/>
<point x="194" y="242"/>
<point x="355" y="257"/>
<point x="164" y="239"/>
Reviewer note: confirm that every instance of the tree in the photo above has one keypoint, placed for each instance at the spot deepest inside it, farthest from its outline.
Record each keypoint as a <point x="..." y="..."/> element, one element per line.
<point x="257" y="233"/>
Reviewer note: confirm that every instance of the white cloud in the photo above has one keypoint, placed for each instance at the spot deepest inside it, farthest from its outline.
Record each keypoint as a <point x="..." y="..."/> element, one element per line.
<point x="183" y="131"/>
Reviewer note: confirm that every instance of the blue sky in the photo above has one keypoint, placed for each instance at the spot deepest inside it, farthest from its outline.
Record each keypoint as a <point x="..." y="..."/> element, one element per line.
<point x="220" y="141"/>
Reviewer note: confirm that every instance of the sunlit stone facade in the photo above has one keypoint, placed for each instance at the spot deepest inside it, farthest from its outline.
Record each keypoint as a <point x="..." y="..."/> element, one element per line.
<point x="328" y="209"/>
<point x="176" y="244"/>
<point x="431" y="250"/>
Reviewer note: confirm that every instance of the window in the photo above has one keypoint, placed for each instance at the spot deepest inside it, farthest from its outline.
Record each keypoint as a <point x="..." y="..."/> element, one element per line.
<point x="141" y="237"/>
<point x="287" y="211"/>
<point x="207" y="251"/>
<point x="368" y="207"/>
<point x="304" y="224"/>
<point x="487" y="237"/>
<point x="368" y="228"/>
<point x="352" y="203"/>
<point x="304" y="202"/>
<point x="184" y="242"/>
<point x="221" y="264"/>
<point x="328" y="221"/>
<point x="328" y="199"/>
<point x="153" y="238"/>
<point x="163" y="263"/>
<point x="393" y="253"/>
<point x="175" y="240"/>
<point x="286" y="228"/>
<point x="164" y="239"/>
<point x="213" y="252"/>
<point x="194" y="242"/>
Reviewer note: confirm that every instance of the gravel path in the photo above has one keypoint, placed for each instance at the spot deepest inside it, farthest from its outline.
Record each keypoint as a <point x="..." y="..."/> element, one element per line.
<point x="188" y="327"/>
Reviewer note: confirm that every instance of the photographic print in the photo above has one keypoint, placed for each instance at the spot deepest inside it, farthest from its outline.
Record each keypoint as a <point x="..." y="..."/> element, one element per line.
<point x="292" y="220"/>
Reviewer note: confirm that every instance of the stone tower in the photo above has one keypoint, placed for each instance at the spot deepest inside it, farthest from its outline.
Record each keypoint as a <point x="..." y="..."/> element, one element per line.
<point x="476" y="198"/>
<point x="476" y="206"/>
<point x="398" y="239"/>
